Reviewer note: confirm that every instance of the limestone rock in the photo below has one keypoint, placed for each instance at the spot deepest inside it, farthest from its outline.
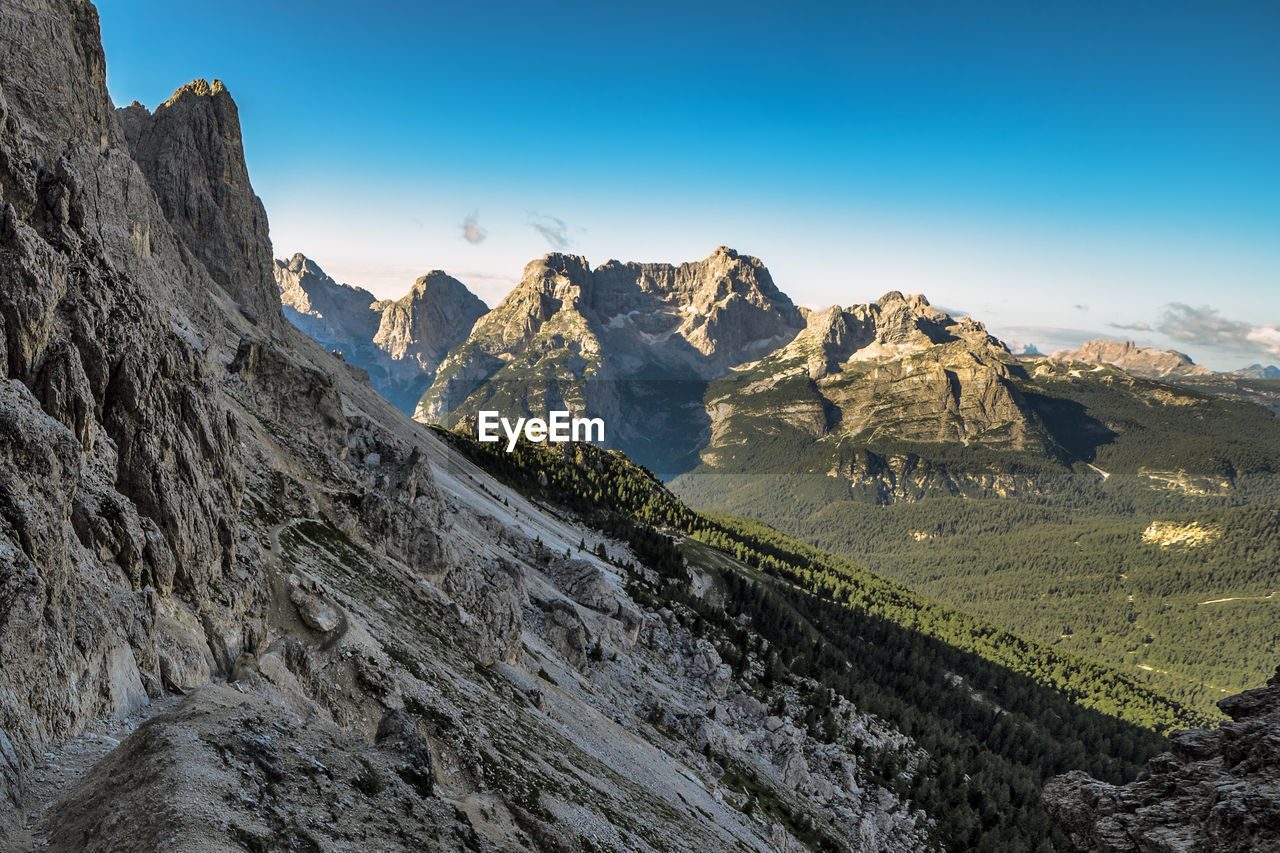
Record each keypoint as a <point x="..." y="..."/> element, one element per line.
<point x="400" y="343"/>
<point x="1218" y="790"/>
<point x="316" y="612"/>
<point x="585" y="583"/>
<point x="1147" y="362"/>
<point x="398" y="732"/>
<point x="192" y="153"/>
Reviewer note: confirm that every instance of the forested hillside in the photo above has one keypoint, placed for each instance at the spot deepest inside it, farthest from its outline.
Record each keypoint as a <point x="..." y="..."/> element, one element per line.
<point x="997" y="714"/>
<point x="1146" y="538"/>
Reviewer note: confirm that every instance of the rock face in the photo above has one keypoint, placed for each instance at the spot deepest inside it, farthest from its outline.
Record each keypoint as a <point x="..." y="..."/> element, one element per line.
<point x="1218" y="790"/>
<point x="418" y="330"/>
<point x="338" y="316"/>
<point x="192" y="153"/>
<point x="245" y="603"/>
<point x="400" y="343"/>
<point x="1147" y="362"/>
<point x="632" y="343"/>
<point x="854" y="385"/>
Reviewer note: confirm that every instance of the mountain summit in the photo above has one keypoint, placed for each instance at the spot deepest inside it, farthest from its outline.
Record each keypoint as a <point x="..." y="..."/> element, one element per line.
<point x="399" y="342"/>
<point x="1147" y="362"/>
<point x="617" y="341"/>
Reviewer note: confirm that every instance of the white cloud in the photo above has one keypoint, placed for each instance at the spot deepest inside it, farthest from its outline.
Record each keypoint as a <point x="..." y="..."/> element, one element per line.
<point x="471" y="230"/>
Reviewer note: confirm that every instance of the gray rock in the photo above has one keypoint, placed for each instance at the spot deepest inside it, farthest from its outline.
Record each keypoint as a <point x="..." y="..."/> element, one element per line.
<point x="1217" y="791"/>
<point x="191" y="151"/>
<point x="400" y="343"/>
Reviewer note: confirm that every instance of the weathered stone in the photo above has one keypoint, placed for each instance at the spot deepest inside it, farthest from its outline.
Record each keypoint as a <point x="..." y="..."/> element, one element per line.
<point x="1218" y="791"/>
<point x="1147" y="362"/>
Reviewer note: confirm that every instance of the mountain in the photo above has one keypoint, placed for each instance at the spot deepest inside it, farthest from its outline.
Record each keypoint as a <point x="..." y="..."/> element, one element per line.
<point x="995" y="713"/>
<point x="632" y="343"/>
<point x="245" y="603"/>
<point x="898" y="406"/>
<point x="1147" y="362"/>
<point x="399" y="342"/>
<point x="893" y="370"/>
<point x="192" y="154"/>
<point x="1257" y="371"/>
<point x="338" y="316"/>
<point x="1217" y="790"/>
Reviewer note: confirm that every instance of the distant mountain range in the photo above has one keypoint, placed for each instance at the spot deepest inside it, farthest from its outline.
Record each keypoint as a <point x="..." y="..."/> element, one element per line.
<point x="1147" y="362"/>
<point x="399" y="342"/>
<point x="1257" y="371"/>
<point x="692" y="365"/>
<point x="893" y="433"/>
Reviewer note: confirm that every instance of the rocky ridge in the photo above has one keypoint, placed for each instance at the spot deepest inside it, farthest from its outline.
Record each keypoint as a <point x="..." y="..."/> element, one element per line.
<point x="1147" y="362"/>
<point x="888" y="372"/>
<point x="615" y="342"/>
<point x="1216" y="790"/>
<point x="1257" y="371"/>
<point x="399" y="342"/>
<point x="329" y="630"/>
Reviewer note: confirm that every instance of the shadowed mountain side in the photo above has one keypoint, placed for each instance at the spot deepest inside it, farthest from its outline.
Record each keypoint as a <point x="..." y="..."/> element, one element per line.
<point x="631" y="343"/>
<point x="399" y="342"/>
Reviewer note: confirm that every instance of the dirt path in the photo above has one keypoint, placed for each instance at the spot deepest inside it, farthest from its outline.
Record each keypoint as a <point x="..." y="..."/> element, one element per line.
<point x="60" y="768"/>
<point x="1266" y="597"/>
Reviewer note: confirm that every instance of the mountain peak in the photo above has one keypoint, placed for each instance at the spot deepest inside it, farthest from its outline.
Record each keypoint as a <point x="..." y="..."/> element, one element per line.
<point x="1147" y="362"/>
<point x="192" y="154"/>
<point x="1257" y="371"/>
<point x="199" y="88"/>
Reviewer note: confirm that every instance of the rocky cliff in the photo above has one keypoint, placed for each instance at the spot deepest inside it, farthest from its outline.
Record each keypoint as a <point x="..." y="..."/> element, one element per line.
<point x="399" y="342"/>
<point x="854" y="391"/>
<point x="633" y="343"/>
<point x="192" y="154"/>
<point x="418" y="330"/>
<point x="1147" y="362"/>
<point x="339" y="316"/>
<point x="246" y="604"/>
<point x="1217" y="790"/>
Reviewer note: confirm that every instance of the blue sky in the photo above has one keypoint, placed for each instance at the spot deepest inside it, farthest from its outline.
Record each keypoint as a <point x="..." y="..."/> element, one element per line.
<point x="1054" y="168"/>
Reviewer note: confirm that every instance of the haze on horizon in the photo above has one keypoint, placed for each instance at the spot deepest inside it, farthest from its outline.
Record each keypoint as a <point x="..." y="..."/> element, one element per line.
<point x="1061" y="170"/>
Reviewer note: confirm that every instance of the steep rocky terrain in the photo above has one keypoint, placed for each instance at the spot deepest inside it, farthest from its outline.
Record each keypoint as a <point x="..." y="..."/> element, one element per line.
<point x="246" y="604"/>
<point x="893" y="371"/>
<point x="338" y="316"/>
<point x="1147" y="362"/>
<point x="632" y="343"/>
<point x="1217" y="790"/>
<point x="399" y="342"/>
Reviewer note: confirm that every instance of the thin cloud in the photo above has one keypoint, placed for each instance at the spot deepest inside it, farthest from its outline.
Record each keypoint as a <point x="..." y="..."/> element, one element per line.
<point x="471" y="230"/>
<point x="951" y="312"/>
<point x="1131" y="327"/>
<point x="554" y="229"/>
<point x="1084" y="309"/>
<point x="1206" y="326"/>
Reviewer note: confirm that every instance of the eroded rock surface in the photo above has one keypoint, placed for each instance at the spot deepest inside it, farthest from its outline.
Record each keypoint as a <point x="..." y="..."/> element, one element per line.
<point x="1218" y="790"/>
